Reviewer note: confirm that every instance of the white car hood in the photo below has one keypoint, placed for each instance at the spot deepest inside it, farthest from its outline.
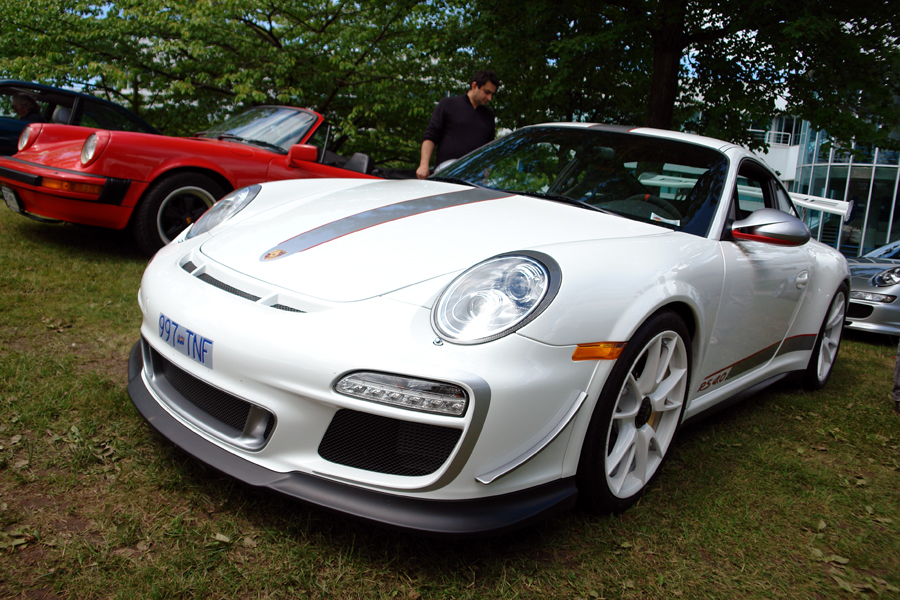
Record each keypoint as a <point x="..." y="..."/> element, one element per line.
<point x="376" y="238"/>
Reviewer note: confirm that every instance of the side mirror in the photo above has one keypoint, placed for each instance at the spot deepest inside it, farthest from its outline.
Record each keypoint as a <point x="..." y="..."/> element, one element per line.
<point x="444" y="165"/>
<point x="302" y="153"/>
<point x="773" y="227"/>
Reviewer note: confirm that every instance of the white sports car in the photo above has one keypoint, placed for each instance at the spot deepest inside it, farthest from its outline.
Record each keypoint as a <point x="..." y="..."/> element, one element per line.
<point x="469" y="353"/>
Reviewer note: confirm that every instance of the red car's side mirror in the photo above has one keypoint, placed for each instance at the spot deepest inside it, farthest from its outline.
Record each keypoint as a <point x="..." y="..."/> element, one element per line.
<point x="302" y="153"/>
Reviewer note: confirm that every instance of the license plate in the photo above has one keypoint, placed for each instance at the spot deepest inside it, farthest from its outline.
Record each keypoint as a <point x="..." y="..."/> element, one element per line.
<point x="190" y="343"/>
<point x="12" y="201"/>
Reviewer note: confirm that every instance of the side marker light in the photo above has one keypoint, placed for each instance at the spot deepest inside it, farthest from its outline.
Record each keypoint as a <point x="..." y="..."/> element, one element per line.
<point x="599" y="351"/>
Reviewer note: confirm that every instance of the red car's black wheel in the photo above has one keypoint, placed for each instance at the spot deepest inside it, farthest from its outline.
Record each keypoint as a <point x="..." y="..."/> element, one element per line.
<point x="170" y="205"/>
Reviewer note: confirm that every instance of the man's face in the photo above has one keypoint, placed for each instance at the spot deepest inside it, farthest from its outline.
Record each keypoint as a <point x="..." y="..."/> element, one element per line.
<point x="482" y="95"/>
<point x="20" y="108"/>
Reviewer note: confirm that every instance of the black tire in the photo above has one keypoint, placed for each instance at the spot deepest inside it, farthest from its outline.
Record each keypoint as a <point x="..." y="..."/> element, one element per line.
<point x="169" y="205"/>
<point x="828" y="342"/>
<point x="622" y="456"/>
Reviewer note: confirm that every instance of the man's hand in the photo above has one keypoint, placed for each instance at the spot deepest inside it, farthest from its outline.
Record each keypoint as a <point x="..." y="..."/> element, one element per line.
<point x="425" y="159"/>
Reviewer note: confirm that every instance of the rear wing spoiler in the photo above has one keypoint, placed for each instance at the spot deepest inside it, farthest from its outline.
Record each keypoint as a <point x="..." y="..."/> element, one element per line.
<point x="835" y="207"/>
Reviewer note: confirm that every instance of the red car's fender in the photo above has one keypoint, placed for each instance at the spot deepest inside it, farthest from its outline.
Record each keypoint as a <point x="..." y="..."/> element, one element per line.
<point x="144" y="157"/>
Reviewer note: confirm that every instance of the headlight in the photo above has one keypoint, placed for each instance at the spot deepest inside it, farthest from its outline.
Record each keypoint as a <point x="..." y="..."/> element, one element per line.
<point x="872" y="297"/>
<point x="886" y="278"/>
<point x="87" y="151"/>
<point x="496" y="297"/>
<point x="406" y="392"/>
<point x="27" y="137"/>
<point x="223" y="210"/>
<point x="94" y="146"/>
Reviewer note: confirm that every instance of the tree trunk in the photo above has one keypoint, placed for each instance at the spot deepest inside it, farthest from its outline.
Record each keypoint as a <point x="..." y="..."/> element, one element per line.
<point x="668" y="47"/>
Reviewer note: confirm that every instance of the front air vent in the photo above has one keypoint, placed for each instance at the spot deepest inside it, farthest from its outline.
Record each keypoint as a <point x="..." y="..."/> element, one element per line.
<point x="224" y="286"/>
<point x="190" y="267"/>
<point x="287" y="308"/>
<point x="384" y="445"/>
<point x="859" y="311"/>
<point x="217" y="412"/>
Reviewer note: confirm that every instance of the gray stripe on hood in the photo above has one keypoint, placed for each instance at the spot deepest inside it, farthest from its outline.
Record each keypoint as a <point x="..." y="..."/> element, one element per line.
<point x="377" y="216"/>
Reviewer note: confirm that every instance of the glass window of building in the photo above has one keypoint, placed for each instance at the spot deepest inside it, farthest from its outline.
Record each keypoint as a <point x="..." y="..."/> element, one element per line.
<point x="887" y="157"/>
<point x="819" y="179"/>
<point x="881" y="201"/>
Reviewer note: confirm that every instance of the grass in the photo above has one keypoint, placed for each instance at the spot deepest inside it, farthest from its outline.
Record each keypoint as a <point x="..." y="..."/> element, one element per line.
<point x="787" y="495"/>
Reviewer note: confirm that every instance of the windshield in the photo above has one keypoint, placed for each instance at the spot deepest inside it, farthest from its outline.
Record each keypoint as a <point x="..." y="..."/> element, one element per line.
<point x="275" y="127"/>
<point x="891" y="251"/>
<point x="670" y="183"/>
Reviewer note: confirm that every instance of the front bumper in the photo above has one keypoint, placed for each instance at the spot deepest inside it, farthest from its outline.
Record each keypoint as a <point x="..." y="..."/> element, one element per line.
<point x="110" y="208"/>
<point x="874" y="317"/>
<point x="434" y="518"/>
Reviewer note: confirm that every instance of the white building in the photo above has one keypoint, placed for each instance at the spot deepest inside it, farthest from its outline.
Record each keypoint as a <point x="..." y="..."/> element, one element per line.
<point x="870" y="180"/>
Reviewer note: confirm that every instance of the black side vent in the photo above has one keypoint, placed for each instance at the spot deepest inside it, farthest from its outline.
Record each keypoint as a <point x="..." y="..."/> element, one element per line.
<point x="214" y="409"/>
<point x="189" y="267"/>
<point x="859" y="311"/>
<point x="224" y="286"/>
<point x="114" y="191"/>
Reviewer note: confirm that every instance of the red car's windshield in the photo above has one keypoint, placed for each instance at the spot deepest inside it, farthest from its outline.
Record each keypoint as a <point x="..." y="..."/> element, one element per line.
<point x="275" y="127"/>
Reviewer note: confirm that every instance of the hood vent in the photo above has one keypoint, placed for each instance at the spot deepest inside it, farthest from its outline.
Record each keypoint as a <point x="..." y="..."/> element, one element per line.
<point x="190" y="267"/>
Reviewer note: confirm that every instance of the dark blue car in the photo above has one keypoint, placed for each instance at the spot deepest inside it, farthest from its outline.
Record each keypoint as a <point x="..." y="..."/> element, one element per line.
<point x="55" y="105"/>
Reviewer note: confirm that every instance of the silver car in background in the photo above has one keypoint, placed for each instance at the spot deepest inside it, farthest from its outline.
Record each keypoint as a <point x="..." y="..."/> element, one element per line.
<point x="874" y="289"/>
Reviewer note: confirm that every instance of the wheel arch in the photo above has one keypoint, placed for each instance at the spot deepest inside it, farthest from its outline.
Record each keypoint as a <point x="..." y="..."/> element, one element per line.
<point x="690" y="315"/>
<point x="220" y="179"/>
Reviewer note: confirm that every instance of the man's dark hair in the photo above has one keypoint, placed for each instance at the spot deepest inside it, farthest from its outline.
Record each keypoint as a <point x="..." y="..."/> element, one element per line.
<point x="482" y="77"/>
<point x="28" y="101"/>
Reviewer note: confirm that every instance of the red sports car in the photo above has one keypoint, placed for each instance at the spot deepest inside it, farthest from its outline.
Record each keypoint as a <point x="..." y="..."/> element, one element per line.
<point x="159" y="185"/>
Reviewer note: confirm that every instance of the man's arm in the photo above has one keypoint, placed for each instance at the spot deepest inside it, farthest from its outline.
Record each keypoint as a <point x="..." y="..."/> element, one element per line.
<point x="425" y="160"/>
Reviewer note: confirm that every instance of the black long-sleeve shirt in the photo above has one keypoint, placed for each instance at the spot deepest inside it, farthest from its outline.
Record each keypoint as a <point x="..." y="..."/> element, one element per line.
<point x="456" y="128"/>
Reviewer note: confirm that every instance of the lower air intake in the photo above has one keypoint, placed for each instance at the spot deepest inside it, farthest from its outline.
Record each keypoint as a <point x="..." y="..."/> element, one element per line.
<point x="385" y="445"/>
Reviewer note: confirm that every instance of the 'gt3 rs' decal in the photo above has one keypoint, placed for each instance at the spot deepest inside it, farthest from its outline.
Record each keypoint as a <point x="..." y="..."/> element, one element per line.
<point x="791" y="344"/>
<point x="377" y="216"/>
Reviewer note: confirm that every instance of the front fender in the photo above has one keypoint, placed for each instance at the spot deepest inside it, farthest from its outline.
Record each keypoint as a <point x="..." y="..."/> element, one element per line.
<point x="608" y="291"/>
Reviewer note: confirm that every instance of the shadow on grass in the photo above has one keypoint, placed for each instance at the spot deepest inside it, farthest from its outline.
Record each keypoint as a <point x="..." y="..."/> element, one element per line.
<point x="70" y="239"/>
<point x="557" y="540"/>
<point x="867" y="337"/>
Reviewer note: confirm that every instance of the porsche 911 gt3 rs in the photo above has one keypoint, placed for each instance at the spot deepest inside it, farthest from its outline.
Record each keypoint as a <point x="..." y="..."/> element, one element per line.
<point x="469" y="353"/>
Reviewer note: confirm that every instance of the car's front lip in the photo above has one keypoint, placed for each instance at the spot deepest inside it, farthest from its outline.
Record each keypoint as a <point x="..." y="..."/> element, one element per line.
<point x="877" y="317"/>
<point x="437" y="518"/>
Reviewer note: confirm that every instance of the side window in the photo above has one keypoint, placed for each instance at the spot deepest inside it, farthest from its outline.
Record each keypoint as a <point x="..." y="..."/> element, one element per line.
<point x="756" y="188"/>
<point x="23" y="107"/>
<point x="750" y="196"/>
<point x="784" y="201"/>
<point x="104" y="117"/>
<point x="320" y="140"/>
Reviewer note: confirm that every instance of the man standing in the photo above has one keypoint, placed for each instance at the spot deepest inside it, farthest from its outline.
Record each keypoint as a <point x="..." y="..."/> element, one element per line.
<point x="460" y="123"/>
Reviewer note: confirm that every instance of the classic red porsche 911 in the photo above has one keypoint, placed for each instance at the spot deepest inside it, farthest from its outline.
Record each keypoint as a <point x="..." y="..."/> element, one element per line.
<point x="158" y="185"/>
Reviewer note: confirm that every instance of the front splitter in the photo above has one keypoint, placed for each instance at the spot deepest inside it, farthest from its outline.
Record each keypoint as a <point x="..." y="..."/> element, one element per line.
<point x="432" y="518"/>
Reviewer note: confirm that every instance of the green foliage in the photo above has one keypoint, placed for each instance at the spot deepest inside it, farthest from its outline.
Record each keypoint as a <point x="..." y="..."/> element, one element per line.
<point x="360" y="63"/>
<point x="377" y="68"/>
<point x="703" y="65"/>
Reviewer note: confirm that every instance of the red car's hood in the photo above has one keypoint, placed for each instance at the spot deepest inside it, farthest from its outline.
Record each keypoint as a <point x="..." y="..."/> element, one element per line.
<point x="59" y="146"/>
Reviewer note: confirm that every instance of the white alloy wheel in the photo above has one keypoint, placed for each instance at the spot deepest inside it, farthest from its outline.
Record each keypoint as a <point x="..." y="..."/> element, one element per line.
<point x="831" y="337"/>
<point x="637" y="415"/>
<point x="828" y="343"/>
<point x="646" y="415"/>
